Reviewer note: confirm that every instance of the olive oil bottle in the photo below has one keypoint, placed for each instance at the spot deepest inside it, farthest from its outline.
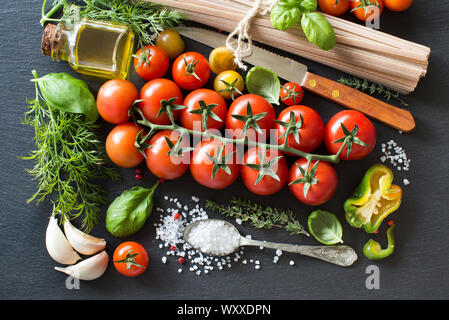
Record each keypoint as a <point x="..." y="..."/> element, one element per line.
<point x="95" y="48"/>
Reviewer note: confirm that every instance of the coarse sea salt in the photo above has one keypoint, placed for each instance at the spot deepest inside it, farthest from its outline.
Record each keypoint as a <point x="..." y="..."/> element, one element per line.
<point x="396" y="156"/>
<point x="214" y="236"/>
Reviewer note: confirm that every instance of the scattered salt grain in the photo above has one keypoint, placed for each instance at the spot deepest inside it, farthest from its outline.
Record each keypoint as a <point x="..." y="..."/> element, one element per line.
<point x="179" y="270"/>
<point x="279" y="252"/>
<point x="164" y="259"/>
<point x="406" y="182"/>
<point x="292" y="262"/>
<point x="257" y="266"/>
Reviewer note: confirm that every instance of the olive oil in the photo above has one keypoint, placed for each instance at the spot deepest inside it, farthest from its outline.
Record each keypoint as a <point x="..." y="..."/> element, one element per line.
<point x="95" y="48"/>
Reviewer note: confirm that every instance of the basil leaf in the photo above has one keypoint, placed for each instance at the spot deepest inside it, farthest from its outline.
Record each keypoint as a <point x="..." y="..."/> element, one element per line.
<point x="69" y="94"/>
<point x="128" y="212"/>
<point x="285" y="14"/>
<point x="265" y="83"/>
<point x="318" y="30"/>
<point x="325" y="227"/>
<point x="307" y="5"/>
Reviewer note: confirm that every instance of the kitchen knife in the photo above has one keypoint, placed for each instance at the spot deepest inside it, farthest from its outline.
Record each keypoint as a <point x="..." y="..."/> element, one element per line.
<point x="291" y="70"/>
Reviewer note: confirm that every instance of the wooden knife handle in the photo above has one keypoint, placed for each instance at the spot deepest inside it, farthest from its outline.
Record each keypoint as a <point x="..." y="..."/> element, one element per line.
<point x="353" y="99"/>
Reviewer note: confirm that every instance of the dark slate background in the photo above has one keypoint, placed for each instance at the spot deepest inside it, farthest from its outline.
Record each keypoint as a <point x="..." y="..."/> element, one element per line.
<point x="417" y="270"/>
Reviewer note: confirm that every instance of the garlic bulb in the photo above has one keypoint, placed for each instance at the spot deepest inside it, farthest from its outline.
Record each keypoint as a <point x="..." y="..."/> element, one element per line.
<point x="57" y="245"/>
<point x="82" y="242"/>
<point x="89" y="269"/>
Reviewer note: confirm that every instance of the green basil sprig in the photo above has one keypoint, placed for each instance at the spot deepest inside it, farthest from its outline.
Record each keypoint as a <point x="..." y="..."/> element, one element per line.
<point x="288" y="13"/>
<point x="128" y="212"/>
<point x="325" y="227"/>
<point x="69" y="94"/>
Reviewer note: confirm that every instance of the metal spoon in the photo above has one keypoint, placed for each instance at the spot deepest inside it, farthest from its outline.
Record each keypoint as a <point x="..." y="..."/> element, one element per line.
<point x="341" y="255"/>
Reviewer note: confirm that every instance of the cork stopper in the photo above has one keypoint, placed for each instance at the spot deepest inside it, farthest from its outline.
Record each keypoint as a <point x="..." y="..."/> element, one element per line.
<point x="48" y="39"/>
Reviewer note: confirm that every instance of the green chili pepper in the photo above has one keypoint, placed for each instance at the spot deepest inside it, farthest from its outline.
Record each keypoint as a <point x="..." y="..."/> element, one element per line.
<point x="373" y="251"/>
<point x="373" y="200"/>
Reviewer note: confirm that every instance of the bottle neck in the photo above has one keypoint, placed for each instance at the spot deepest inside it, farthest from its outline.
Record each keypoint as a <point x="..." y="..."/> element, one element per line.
<point x="60" y="47"/>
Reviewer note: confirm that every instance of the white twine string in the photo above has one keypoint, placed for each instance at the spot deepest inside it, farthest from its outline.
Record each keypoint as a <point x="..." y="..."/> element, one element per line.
<point x="242" y="45"/>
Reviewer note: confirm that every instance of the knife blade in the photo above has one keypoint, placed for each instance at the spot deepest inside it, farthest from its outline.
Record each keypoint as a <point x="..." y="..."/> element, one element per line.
<point x="291" y="70"/>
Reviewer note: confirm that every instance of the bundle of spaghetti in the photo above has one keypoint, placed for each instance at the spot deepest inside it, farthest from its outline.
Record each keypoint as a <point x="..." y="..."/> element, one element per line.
<point x="361" y="51"/>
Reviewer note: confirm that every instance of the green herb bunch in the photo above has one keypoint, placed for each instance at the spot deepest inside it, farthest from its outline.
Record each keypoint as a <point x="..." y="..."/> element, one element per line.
<point x="146" y="19"/>
<point x="259" y="216"/>
<point x="372" y="88"/>
<point x="69" y="155"/>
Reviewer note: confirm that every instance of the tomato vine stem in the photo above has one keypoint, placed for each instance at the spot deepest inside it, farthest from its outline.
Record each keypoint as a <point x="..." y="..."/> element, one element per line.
<point x="242" y="141"/>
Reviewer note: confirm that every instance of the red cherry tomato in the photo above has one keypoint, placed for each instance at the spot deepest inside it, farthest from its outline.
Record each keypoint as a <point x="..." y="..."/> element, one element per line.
<point x="322" y="184"/>
<point x="211" y="103"/>
<point x="165" y="162"/>
<point x="120" y="145"/>
<point x="334" y="7"/>
<point x="153" y="94"/>
<point x="151" y="62"/>
<point x="114" y="100"/>
<point x="219" y="173"/>
<point x="238" y="112"/>
<point x="309" y="129"/>
<point x="360" y="128"/>
<point x="130" y="259"/>
<point x="191" y="71"/>
<point x="291" y="94"/>
<point x="371" y="11"/>
<point x="256" y="162"/>
<point x="397" y="5"/>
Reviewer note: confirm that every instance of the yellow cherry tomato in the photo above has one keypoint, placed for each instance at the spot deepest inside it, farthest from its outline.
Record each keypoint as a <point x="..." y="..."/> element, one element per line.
<point x="171" y="42"/>
<point x="229" y="84"/>
<point x="221" y="59"/>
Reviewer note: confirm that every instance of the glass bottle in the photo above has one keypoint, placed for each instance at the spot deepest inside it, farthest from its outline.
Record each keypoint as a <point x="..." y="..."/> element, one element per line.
<point x="96" y="48"/>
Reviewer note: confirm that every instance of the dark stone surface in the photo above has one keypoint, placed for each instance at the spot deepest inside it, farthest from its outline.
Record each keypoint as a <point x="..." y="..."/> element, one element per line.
<point x="417" y="270"/>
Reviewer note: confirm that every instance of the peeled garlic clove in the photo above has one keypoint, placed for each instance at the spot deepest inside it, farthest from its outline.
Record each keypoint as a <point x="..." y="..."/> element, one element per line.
<point x="83" y="242"/>
<point x="57" y="245"/>
<point x="89" y="269"/>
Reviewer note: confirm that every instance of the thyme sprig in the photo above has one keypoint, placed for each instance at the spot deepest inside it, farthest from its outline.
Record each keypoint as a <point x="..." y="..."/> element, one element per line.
<point x="69" y="156"/>
<point x="373" y="89"/>
<point x="146" y="19"/>
<point x="260" y="217"/>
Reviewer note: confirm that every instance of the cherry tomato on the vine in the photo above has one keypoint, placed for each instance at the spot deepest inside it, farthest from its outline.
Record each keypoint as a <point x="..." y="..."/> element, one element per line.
<point x="114" y="100"/>
<point x="366" y="10"/>
<point x="354" y="127"/>
<point x="305" y="127"/>
<point x="120" y="145"/>
<point x="203" y="104"/>
<point x="214" y="165"/>
<point x="130" y="259"/>
<point x="397" y="5"/>
<point x="334" y="7"/>
<point x="252" y="113"/>
<point x="264" y="172"/>
<point x="151" y="62"/>
<point x="154" y="94"/>
<point x="291" y="94"/>
<point x="168" y="155"/>
<point x="191" y="71"/>
<point x="312" y="183"/>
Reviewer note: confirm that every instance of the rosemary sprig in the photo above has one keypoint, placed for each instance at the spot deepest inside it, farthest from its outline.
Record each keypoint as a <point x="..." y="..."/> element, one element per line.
<point x="146" y="19"/>
<point x="372" y="88"/>
<point x="69" y="155"/>
<point x="259" y="216"/>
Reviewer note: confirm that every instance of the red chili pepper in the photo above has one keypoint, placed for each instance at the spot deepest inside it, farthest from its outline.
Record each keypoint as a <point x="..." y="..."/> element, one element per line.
<point x="176" y="216"/>
<point x="390" y="222"/>
<point x="376" y="232"/>
<point x="173" y="248"/>
<point x="181" y="260"/>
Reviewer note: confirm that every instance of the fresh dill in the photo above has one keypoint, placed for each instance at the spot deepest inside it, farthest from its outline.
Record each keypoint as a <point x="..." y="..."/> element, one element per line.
<point x="69" y="156"/>
<point x="146" y="19"/>
<point x="372" y="88"/>
<point x="259" y="216"/>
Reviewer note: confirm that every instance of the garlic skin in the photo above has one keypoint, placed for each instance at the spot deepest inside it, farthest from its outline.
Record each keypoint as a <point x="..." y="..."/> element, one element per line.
<point x="89" y="269"/>
<point x="57" y="245"/>
<point x="83" y="242"/>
